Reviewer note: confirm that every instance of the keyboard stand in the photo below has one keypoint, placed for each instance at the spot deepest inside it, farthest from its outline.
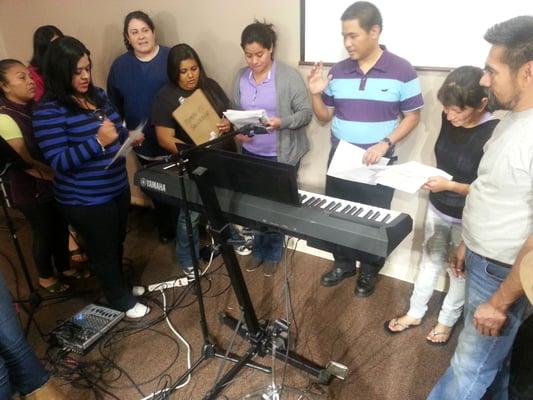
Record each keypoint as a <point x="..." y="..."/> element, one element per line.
<point x="261" y="340"/>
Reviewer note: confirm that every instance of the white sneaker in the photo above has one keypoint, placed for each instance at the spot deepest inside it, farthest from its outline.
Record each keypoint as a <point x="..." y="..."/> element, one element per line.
<point x="138" y="290"/>
<point x="139" y="310"/>
<point x="243" y="250"/>
<point x="189" y="273"/>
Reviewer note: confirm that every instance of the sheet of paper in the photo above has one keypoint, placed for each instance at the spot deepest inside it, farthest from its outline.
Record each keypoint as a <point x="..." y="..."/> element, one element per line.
<point x="347" y="163"/>
<point x="127" y="145"/>
<point x="408" y="177"/>
<point x="240" y="118"/>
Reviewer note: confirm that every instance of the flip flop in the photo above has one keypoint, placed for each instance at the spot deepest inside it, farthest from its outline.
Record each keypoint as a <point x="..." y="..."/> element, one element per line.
<point x="78" y="256"/>
<point x="55" y="288"/>
<point x="74" y="273"/>
<point x="396" y="323"/>
<point x="434" y="333"/>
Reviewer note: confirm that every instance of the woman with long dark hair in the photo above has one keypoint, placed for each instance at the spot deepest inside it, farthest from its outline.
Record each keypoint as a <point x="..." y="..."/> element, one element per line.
<point x="79" y="133"/>
<point x="185" y="74"/>
<point x="31" y="189"/>
<point x="42" y="37"/>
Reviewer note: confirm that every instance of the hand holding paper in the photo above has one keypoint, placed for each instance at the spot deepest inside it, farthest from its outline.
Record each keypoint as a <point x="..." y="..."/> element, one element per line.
<point x="409" y="177"/>
<point x="241" y="118"/>
<point x="135" y="138"/>
<point x="438" y="184"/>
<point x="347" y="163"/>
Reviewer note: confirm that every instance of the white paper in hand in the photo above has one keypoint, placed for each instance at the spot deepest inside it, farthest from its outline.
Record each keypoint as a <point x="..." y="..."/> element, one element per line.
<point x="127" y="145"/>
<point x="409" y="177"/>
<point x="347" y="164"/>
<point x="240" y="118"/>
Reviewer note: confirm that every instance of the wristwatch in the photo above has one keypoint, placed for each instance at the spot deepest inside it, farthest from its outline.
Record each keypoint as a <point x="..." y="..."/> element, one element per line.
<point x="387" y="140"/>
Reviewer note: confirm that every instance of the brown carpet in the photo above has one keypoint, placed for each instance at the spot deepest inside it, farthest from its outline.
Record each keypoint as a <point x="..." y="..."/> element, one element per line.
<point x="329" y="323"/>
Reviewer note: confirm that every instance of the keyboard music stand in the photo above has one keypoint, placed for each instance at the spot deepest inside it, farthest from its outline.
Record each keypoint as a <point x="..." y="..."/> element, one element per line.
<point x="276" y="181"/>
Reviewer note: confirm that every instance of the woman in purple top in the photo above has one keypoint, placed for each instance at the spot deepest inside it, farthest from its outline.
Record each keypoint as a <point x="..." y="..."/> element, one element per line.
<point x="279" y="90"/>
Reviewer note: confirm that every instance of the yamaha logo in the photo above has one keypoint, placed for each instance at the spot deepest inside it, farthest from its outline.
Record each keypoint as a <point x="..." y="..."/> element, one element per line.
<point x="149" y="184"/>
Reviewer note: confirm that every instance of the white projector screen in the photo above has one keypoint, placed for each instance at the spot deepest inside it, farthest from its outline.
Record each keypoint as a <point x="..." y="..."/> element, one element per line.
<point x="429" y="34"/>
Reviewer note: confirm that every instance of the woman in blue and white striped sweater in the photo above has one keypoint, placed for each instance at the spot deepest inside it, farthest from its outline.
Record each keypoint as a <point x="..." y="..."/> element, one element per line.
<point x="79" y="133"/>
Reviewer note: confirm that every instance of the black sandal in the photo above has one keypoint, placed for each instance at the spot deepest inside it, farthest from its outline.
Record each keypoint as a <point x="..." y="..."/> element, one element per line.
<point x="55" y="288"/>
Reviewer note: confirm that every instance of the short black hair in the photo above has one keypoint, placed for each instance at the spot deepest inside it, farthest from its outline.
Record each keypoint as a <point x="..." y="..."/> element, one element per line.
<point x="516" y="36"/>
<point x="461" y="88"/>
<point x="42" y="38"/>
<point x="366" y="13"/>
<point x="259" y="32"/>
<point x="60" y="65"/>
<point x="140" y="15"/>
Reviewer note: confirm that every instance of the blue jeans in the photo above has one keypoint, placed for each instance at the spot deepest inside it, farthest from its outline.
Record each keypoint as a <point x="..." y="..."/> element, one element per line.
<point x="20" y="369"/>
<point x="183" y="250"/>
<point x="268" y="245"/>
<point x="480" y="364"/>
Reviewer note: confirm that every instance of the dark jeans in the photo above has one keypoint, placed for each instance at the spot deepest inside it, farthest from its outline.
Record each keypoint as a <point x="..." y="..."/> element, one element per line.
<point x="49" y="237"/>
<point x="166" y="215"/>
<point x="20" y="369"/>
<point x="268" y="245"/>
<point x="103" y="227"/>
<point x="378" y="195"/>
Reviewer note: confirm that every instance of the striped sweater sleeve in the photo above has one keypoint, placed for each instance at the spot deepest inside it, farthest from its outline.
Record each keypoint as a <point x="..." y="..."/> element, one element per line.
<point x="50" y="128"/>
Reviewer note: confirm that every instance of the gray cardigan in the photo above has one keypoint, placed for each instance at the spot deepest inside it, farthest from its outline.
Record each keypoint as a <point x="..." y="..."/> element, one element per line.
<point x="294" y="107"/>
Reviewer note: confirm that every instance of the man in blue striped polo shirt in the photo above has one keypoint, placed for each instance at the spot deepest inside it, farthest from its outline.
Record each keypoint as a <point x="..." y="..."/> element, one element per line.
<point x="374" y="100"/>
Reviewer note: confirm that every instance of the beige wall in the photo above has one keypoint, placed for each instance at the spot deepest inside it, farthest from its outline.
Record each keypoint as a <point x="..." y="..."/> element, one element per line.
<point x="213" y="28"/>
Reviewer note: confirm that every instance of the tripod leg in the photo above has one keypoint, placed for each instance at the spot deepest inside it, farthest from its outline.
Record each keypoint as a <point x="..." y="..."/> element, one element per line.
<point x="228" y="377"/>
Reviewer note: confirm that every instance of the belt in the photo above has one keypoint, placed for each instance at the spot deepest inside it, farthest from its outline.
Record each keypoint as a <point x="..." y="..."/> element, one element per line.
<point x="499" y="263"/>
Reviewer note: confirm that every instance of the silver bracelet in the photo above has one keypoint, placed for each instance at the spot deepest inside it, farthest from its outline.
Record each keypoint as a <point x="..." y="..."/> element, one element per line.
<point x="100" y="143"/>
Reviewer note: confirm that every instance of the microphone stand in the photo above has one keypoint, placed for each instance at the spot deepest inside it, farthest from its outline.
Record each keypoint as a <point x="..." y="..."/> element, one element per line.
<point x="34" y="299"/>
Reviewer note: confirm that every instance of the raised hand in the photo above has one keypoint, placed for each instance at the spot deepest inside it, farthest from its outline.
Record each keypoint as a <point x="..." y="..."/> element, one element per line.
<point x="316" y="80"/>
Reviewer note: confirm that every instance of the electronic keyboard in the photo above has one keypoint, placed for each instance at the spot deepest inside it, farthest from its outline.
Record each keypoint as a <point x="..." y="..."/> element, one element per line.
<point x="326" y="219"/>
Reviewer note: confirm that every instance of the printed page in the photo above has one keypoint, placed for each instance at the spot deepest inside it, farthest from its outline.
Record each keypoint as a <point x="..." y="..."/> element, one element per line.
<point x="240" y="118"/>
<point x="408" y="177"/>
<point x="347" y="164"/>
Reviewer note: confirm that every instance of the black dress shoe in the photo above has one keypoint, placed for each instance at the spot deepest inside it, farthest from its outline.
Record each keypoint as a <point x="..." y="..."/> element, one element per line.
<point x="366" y="283"/>
<point x="336" y="275"/>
